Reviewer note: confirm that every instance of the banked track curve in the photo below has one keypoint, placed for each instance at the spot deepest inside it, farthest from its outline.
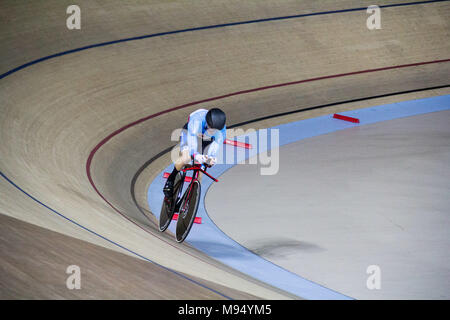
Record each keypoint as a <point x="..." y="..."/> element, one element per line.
<point x="197" y="102"/>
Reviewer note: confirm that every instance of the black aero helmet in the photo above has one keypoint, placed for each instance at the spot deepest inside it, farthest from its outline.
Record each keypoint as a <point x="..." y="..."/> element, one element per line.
<point x="216" y="118"/>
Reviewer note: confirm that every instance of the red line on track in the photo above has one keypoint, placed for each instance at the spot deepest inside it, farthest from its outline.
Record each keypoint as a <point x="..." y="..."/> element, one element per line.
<point x="116" y="132"/>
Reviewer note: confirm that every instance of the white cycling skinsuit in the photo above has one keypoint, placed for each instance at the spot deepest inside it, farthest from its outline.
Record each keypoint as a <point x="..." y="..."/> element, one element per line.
<point x="197" y="129"/>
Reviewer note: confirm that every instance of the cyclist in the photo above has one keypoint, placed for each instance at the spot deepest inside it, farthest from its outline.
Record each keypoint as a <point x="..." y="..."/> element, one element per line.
<point x="205" y="129"/>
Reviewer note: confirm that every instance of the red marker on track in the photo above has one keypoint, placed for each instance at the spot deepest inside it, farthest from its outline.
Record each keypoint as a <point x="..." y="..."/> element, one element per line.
<point x="197" y="220"/>
<point x="238" y="144"/>
<point x="345" y="118"/>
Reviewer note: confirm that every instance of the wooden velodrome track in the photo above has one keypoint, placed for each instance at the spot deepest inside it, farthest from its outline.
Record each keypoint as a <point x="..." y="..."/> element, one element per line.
<point x="68" y="195"/>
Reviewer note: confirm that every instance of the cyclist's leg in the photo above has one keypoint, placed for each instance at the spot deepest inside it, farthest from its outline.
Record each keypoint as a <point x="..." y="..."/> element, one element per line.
<point x="185" y="157"/>
<point x="183" y="160"/>
<point x="179" y="163"/>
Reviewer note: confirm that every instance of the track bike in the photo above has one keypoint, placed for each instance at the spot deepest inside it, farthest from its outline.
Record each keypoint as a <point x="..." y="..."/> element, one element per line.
<point x="185" y="204"/>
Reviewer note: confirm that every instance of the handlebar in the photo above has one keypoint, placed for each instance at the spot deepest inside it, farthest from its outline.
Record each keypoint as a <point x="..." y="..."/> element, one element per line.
<point x="200" y="168"/>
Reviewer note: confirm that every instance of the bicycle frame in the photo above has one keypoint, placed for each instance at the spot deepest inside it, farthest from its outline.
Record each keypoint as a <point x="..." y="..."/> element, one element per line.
<point x="180" y="201"/>
<point x="197" y="168"/>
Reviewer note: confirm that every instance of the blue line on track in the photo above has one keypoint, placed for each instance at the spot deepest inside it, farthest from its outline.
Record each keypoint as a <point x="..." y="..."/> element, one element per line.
<point x="110" y="241"/>
<point x="216" y="26"/>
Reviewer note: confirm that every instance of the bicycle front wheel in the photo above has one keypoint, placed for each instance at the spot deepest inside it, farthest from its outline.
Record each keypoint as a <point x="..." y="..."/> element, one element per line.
<point x="188" y="210"/>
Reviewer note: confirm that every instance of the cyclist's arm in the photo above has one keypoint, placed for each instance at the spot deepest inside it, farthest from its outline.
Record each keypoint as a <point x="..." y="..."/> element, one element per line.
<point x="194" y="127"/>
<point x="215" y="145"/>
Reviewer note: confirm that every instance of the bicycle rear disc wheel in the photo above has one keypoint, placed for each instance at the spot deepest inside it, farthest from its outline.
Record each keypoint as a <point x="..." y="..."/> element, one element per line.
<point x="188" y="211"/>
<point x="168" y="205"/>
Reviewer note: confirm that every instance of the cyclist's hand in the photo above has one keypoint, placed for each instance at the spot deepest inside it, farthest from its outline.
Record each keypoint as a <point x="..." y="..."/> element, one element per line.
<point x="211" y="161"/>
<point x="201" y="158"/>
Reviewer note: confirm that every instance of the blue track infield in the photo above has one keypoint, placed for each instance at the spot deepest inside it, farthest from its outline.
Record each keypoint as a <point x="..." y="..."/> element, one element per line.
<point x="209" y="239"/>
